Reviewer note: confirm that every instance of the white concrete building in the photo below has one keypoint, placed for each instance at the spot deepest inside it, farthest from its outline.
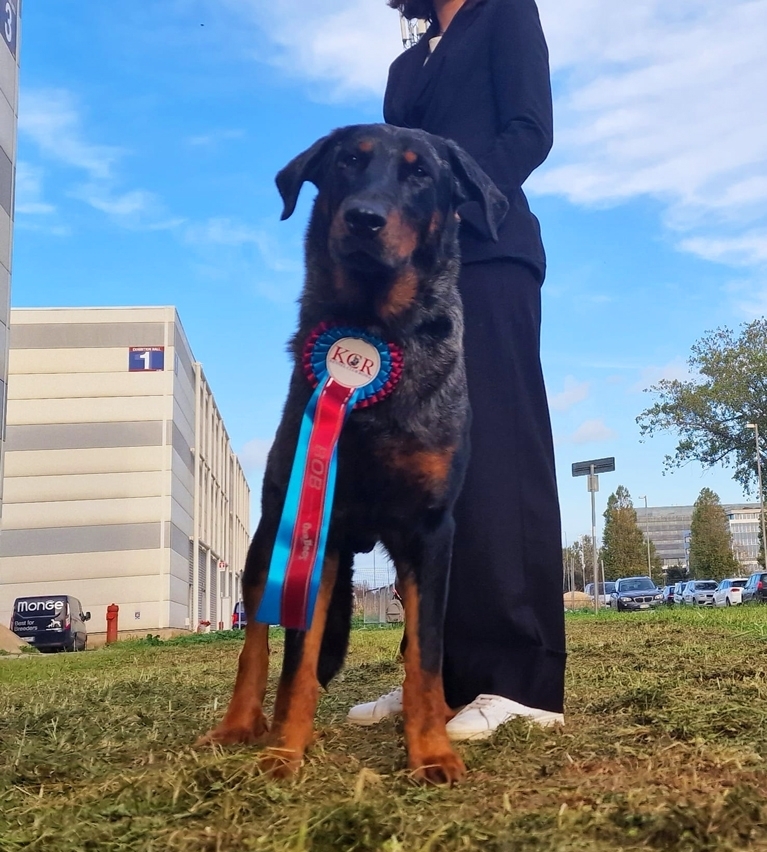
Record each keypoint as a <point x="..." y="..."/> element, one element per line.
<point x="121" y="485"/>
<point x="9" y="113"/>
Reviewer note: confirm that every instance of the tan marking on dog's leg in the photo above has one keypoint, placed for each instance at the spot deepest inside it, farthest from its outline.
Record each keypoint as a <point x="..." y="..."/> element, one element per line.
<point x="244" y="721"/>
<point x="430" y="755"/>
<point x="297" y="693"/>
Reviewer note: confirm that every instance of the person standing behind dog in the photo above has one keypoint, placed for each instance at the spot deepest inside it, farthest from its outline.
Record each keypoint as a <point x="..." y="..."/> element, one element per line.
<point x="480" y="76"/>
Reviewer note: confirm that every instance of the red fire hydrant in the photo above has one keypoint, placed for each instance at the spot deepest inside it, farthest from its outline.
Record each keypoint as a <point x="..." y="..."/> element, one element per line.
<point x="112" y="611"/>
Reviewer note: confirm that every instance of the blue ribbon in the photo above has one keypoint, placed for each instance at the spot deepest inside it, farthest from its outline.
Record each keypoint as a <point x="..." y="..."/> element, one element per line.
<point x="270" y="609"/>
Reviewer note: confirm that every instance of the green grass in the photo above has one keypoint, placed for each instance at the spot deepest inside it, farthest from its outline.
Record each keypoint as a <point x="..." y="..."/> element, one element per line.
<point x="664" y="749"/>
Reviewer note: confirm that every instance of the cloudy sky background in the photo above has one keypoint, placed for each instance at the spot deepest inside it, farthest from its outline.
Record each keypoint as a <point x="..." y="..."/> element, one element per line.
<point x="149" y="137"/>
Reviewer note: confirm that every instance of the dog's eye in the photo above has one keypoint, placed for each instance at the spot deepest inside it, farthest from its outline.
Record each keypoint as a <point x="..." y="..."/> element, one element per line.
<point x="348" y="161"/>
<point x="416" y="170"/>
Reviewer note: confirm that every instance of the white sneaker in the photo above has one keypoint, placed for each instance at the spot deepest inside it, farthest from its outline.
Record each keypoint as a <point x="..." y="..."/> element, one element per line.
<point x="375" y="711"/>
<point x="486" y="713"/>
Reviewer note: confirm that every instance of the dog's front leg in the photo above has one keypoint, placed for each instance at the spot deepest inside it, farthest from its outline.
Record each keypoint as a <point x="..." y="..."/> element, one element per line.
<point x="298" y="689"/>
<point x="430" y="754"/>
<point x="244" y="721"/>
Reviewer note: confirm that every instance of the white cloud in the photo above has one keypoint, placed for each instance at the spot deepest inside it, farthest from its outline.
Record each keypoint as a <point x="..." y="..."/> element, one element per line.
<point x="748" y="249"/>
<point x="39" y="228"/>
<point x="127" y="204"/>
<point x="591" y="432"/>
<point x="52" y="119"/>
<point x="137" y="208"/>
<point x="214" y="138"/>
<point x="573" y="393"/>
<point x="234" y="235"/>
<point x="665" y="101"/>
<point x="253" y="454"/>
<point x="29" y="189"/>
<point x="749" y="295"/>
<point x="676" y="369"/>
<point x="346" y="46"/>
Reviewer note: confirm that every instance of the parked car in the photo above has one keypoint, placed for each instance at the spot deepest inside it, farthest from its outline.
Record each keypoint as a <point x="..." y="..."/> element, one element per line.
<point x="728" y="592"/>
<point x="634" y="593"/>
<point x="699" y="592"/>
<point x="51" y="622"/>
<point x="668" y="595"/>
<point x="755" y="590"/>
<point x="605" y="589"/>
<point x="238" y="616"/>
<point x="679" y="591"/>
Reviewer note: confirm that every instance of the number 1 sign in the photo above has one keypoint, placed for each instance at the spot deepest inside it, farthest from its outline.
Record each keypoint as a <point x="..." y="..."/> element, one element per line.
<point x="141" y="358"/>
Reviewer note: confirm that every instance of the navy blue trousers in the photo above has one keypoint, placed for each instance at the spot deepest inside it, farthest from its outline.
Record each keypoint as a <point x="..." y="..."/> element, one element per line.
<point x="504" y="630"/>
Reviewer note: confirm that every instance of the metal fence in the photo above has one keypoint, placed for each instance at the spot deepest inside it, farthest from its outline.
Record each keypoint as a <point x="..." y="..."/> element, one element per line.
<point x="378" y="606"/>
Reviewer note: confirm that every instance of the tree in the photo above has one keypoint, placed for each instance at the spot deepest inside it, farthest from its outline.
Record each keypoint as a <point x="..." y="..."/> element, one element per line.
<point x="675" y="574"/>
<point x="711" y="556"/>
<point x="572" y="565"/>
<point x="624" y="550"/>
<point x="581" y="555"/>
<point x="710" y="411"/>
<point x="656" y="563"/>
<point x="760" y="539"/>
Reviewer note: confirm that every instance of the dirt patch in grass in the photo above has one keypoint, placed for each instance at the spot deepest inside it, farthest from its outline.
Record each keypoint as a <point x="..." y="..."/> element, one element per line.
<point x="664" y="749"/>
<point x="10" y="642"/>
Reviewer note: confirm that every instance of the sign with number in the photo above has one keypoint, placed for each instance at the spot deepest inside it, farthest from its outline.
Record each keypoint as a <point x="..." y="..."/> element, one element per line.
<point x="142" y="358"/>
<point x="10" y="21"/>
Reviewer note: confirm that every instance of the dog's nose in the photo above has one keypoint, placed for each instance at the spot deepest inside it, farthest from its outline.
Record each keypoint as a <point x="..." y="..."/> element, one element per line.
<point x="364" y="220"/>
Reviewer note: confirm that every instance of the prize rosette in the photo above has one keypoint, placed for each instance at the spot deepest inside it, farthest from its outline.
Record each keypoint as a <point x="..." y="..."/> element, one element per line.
<point x="349" y="368"/>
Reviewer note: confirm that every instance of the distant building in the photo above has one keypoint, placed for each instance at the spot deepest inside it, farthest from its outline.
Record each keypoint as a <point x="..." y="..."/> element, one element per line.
<point x="669" y="530"/>
<point x="121" y="485"/>
<point x="9" y="113"/>
<point x="744" y="523"/>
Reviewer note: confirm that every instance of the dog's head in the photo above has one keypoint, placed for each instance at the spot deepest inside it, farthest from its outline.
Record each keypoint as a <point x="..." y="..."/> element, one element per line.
<point x="389" y="197"/>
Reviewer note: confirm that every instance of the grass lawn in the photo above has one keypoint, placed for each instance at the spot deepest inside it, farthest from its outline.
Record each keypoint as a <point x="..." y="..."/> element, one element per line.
<point x="664" y="748"/>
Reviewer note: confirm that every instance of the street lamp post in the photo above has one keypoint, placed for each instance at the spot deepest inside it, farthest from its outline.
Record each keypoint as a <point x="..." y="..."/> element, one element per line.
<point x="592" y="468"/>
<point x="647" y="535"/>
<point x="755" y="427"/>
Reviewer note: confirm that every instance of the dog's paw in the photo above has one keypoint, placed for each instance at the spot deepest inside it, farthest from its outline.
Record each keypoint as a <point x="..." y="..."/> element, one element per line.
<point x="445" y="768"/>
<point x="226" y="734"/>
<point x="280" y="763"/>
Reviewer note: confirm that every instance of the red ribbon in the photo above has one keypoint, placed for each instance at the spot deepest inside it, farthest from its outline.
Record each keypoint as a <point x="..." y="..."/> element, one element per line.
<point x="329" y="418"/>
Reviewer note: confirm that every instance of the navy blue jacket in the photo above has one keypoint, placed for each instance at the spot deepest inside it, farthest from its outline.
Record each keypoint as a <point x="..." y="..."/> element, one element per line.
<point x="487" y="87"/>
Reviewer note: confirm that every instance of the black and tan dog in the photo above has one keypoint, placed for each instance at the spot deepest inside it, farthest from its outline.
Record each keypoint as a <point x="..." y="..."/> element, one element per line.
<point x="381" y="254"/>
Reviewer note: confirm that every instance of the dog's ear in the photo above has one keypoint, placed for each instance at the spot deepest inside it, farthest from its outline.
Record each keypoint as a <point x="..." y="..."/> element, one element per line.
<point x="474" y="185"/>
<point x="310" y="165"/>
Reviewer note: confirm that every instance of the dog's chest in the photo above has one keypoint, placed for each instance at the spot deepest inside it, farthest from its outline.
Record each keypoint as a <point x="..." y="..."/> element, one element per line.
<point x="387" y="472"/>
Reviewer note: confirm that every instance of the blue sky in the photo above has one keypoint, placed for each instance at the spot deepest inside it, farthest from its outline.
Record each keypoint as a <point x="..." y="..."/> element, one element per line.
<point x="150" y="133"/>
